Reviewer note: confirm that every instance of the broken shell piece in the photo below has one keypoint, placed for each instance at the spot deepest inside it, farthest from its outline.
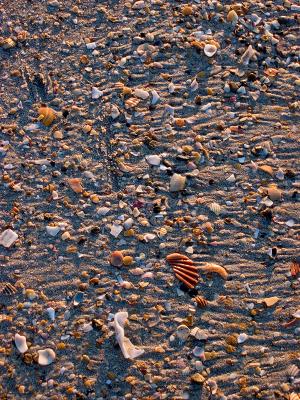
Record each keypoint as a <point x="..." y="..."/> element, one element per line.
<point x="198" y="334"/>
<point x="75" y="185"/>
<point x="269" y="301"/>
<point x="274" y="193"/>
<point x="141" y="94"/>
<point x="96" y="93"/>
<point x="182" y="332"/>
<point x="116" y="258"/>
<point x="210" y="50"/>
<point x="177" y="183"/>
<point x="131" y="102"/>
<point x="294" y="396"/>
<point x="210" y="267"/>
<point x="155" y="97"/>
<point x="8" y="237"/>
<point x="20" y="342"/>
<point x="242" y="338"/>
<point x="46" y="115"/>
<point x="46" y="356"/>
<point x="114" y="112"/>
<point x="78" y="298"/>
<point x="296" y="314"/>
<point x="248" y="55"/>
<point x="295" y="268"/>
<point x="153" y="160"/>
<point x="128" y="349"/>
<point x="52" y="230"/>
<point x="215" y="208"/>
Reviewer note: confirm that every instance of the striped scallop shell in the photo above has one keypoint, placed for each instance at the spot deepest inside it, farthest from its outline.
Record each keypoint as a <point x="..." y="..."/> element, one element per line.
<point x="46" y="115"/>
<point x="7" y="289"/>
<point x="292" y="371"/>
<point x="184" y="269"/>
<point x="294" y="396"/>
<point x="215" y="208"/>
<point x="131" y="102"/>
<point x="201" y="301"/>
<point x="119" y="85"/>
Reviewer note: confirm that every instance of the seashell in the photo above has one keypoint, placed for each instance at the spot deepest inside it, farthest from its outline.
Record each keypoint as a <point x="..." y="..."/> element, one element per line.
<point x="75" y="185"/>
<point x="210" y="267"/>
<point x="198" y="334"/>
<point x="116" y="258"/>
<point x="292" y="371"/>
<point x="51" y="313"/>
<point x="8" y="238"/>
<point x="78" y="298"/>
<point x="248" y="55"/>
<point x="52" y="230"/>
<point x="131" y="102"/>
<point x="201" y="301"/>
<point x="194" y="85"/>
<point x="153" y="159"/>
<point x="232" y="16"/>
<point x="187" y="10"/>
<point x="210" y="50"/>
<point x="8" y="43"/>
<point x="295" y="268"/>
<point x="271" y="72"/>
<point x="114" y="112"/>
<point x="215" y="208"/>
<point x="46" y="115"/>
<point x="296" y="314"/>
<point x="7" y="288"/>
<point x="119" y="85"/>
<point x="294" y="396"/>
<point x="141" y="94"/>
<point x="46" y="356"/>
<point x="184" y="269"/>
<point x="20" y="342"/>
<point x="127" y="348"/>
<point x="242" y="338"/>
<point x="177" y="183"/>
<point x="115" y="230"/>
<point x="155" y="97"/>
<point x="96" y="93"/>
<point x="182" y="332"/>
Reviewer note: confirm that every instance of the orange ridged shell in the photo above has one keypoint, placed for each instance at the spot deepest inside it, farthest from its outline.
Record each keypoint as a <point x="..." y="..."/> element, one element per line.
<point x="46" y="115"/>
<point x="184" y="269"/>
<point x="295" y="268"/>
<point x="201" y="301"/>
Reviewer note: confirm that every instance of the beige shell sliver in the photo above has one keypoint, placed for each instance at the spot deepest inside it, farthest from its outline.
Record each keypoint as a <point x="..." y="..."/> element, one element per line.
<point x="210" y="267"/>
<point x="294" y="396"/>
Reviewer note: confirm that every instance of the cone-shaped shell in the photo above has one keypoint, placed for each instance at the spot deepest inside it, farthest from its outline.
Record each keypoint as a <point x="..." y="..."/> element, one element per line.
<point x="46" y="115"/>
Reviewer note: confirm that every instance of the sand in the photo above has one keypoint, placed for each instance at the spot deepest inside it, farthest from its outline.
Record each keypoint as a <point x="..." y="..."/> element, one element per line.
<point x="149" y="127"/>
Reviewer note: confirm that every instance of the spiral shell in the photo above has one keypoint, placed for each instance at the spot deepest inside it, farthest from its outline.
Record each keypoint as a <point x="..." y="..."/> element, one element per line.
<point x="201" y="301"/>
<point x="184" y="269"/>
<point x="7" y="288"/>
<point x="46" y="115"/>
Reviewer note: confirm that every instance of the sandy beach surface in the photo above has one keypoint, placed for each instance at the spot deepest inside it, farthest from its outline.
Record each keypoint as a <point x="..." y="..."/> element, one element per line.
<point x="149" y="200"/>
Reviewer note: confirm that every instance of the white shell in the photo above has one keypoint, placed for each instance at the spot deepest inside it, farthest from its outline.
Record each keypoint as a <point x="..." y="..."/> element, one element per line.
<point x="242" y="338"/>
<point x="210" y="50"/>
<point x="215" y="208"/>
<point x="177" y="183"/>
<point x="141" y="94"/>
<point x="51" y="313"/>
<point x="96" y="93"/>
<point x="115" y="230"/>
<point x="199" y="334"/>
<point x="155" y="97"/>
<point x="153" y="159"/>
<point x="194" y="85"/>
<point x="20" y="342"/>
<point x="114" y="111"/>
<point x="8" y="237"/>
<point x="182" y="332"/>
<point x="52" y="230"/>
<point x="128" y="349"/>
<point x="198" y="351"/>
<point x="297" y="314"/>
<point x="249" y="54"/>
<point x="46" y="356"/>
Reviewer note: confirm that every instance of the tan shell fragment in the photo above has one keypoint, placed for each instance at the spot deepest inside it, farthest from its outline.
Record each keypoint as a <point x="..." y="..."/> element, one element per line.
<point x="232" y="16"/>
<point x="131" y="102"/>
<point x="75" y="185"/>
<point x="294" y="396"/>
<point x="210" y="267"/>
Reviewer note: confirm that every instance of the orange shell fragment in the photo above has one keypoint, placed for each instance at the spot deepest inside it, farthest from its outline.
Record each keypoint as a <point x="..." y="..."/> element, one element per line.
<point x="46" y="115"/>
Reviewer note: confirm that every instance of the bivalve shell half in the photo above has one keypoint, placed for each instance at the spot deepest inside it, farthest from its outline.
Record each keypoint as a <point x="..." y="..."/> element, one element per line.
<point x="210" y="50"/>
<point x="46" y="115"/>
